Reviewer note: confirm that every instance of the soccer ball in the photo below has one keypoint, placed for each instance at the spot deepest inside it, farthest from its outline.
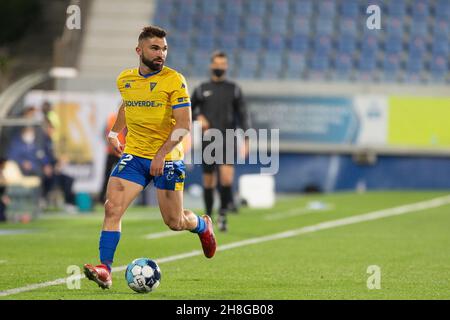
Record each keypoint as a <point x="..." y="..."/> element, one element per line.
<point x="143" y="275"/>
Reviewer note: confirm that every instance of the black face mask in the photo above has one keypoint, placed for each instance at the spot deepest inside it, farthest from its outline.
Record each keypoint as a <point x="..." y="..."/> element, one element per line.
<point x="218" y="72"/>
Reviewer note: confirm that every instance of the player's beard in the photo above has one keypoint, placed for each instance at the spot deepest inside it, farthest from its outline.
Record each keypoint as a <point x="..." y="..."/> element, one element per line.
<point x="150" y="63"/>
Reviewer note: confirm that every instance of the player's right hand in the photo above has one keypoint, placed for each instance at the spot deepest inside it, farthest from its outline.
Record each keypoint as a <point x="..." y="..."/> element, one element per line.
<point x="116" y="146"/>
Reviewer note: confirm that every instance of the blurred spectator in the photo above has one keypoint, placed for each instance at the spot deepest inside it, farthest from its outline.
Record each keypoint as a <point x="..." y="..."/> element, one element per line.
<point x="55" y="176"/>
<point x="29" y="112"/>
<point x="4" y="199"/>
<point x="53" y="118"/>
<point x="24" y="150"/>
<point x="111" y="158"/>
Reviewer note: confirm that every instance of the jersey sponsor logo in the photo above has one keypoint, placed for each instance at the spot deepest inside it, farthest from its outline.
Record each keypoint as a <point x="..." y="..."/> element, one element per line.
<point x="152" y="85"/>
<point x="129" y="103"/>
<point x="184" y="99"/>
<point x="207" y="93"/>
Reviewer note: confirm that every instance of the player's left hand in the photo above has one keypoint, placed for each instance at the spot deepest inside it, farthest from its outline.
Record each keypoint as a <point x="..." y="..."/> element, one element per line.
<point x="157" y="166"/>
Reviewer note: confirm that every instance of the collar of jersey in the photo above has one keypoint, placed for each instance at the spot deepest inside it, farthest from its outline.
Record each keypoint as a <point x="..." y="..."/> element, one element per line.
<point x="149" y="74"/>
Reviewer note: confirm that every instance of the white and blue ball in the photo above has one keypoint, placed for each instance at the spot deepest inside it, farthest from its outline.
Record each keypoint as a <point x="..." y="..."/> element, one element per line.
<point x="143" y="275"/>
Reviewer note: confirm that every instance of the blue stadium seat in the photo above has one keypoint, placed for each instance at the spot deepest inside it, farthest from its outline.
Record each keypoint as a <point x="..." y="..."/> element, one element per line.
<point x="327" y="8"/>
<point x="414" y="69"/>
<point x="271" y="66"/>
<point x="347" y="27"/>
<point x="252" y="42"/>
<point x="439" y="68"/>
<point x="391" y="66"/>
<point x="440" y="46"/>
<point x="233" y="7"/>
<point x="163" y="19"/>
<point x="420" y="10"/>
<point x="295" y="65"/>
<point x="322" y="45"/>
<point x="370" y="44"/>
<point x="178" y="60"/>
<point x="179" y="41"/>
<point x="396" y="8"/>
<point x="343" y="66"/>
<point x="206" y="23"/>
<point x="248" y="66"/>
<point x="299" y="43"/>
<point x="278" y="25"/>
<point x="367" y="65"/>
<point x="417" y="46"/>
<point x="231" y="59"/>
<point x="200" y="61"/>
<point x="441" y="28"/>
<point x="349" y="9"/>
<point x="185" y="7"/>
<point x="184" y="22"/>
<point x="210" y="7"/>
<point x="256" y="7"/>
<point x="346" y="44"/>
<point x="324" y="26"/>
<point x="419" y="28"/>
<point x="254" y="24"/>
<point x="231" y="24"/>
<point x="279" y="8"/>
<point x="442" y="9"/>
<point x="303" y="8"/>
<point x="275" y="43"/>
<point x="320" y="64"/>
<point x="301" y="25"/>
<point x="205" y="42"/>
<point x="394" y="26"/>
<point x="393" y="44"/>
<point x="228" y="42"/>
<point x="164" y="7"/>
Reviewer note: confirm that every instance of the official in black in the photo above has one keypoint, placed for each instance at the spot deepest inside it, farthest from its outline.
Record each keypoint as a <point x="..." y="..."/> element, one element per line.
<point x="219" y="104"/>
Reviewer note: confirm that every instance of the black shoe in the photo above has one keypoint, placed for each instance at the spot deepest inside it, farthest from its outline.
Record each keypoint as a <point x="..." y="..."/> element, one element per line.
<point x="222" y="222"/>
<point x="232" y="208"/>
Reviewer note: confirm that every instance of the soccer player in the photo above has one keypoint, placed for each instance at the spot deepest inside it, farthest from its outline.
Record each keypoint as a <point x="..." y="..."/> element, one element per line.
<point x="156" y="110"/>
<point x="219" y="104"/>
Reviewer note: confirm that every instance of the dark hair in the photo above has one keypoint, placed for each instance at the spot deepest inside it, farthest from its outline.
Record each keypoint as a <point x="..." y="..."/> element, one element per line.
<point x="218" y="54"/>
<point x="152" y="32"/>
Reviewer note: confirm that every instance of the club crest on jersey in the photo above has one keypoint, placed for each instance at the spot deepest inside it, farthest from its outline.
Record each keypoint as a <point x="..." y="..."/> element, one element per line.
<point x="127" y="85"/>
<point x="152" y="85"/>
<point x="183" y="86"/>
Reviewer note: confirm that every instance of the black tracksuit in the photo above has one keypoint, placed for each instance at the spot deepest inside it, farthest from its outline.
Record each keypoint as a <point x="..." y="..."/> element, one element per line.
<point x="222" y="104"/>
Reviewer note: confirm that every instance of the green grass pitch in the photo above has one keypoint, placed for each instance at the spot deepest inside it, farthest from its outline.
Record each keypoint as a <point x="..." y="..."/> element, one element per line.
<point x="411" y="250"/>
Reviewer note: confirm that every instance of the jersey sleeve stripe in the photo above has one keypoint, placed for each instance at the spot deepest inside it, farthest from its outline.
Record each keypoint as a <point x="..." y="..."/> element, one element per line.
<point x="181" y="105"/>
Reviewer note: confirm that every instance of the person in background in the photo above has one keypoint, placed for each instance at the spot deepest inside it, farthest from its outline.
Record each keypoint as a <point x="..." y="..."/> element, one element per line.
<point x="55" y="176"/>
<point x="219" y="104"/>
<point x="111" y="158"/>
<point x="4" y="199"/>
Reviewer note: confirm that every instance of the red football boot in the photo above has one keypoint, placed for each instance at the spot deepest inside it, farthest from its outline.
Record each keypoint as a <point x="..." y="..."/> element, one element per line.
<point x="99" y="274"/>
<point x="207" y="238"/>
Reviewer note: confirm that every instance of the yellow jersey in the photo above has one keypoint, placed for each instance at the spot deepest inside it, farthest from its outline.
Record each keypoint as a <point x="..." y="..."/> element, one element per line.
<point x="148" y="102"/>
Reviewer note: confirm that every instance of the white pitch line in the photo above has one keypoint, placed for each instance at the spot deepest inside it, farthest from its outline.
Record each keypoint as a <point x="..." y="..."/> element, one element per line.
<point x="163" y="234"/>
<point x="374" y="215"/>
<point x="295" y="213"/>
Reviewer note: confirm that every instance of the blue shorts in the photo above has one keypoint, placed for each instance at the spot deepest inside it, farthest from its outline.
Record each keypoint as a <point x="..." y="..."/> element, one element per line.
<point x="137" y="169"/>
